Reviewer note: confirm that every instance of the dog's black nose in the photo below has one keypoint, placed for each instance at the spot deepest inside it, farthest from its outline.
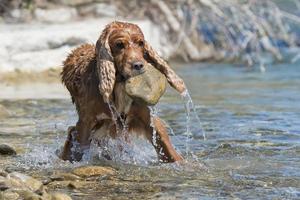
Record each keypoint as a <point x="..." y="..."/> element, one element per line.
<point x="137" y="65"/>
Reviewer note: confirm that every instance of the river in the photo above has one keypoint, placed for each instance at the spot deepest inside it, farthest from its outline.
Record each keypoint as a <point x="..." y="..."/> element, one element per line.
<point x="251" y="150"/>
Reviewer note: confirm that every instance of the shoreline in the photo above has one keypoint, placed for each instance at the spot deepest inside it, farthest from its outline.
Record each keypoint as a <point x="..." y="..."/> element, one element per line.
<point x="32" y="85"/>
<point x="40" y="46"/>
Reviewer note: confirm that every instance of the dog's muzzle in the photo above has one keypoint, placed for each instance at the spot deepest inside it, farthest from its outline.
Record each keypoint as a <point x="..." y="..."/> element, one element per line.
<point x="147" y="87"/>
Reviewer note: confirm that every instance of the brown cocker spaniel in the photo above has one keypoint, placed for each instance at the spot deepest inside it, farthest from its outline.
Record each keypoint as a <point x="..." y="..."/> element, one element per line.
<point x="95" y="76"/>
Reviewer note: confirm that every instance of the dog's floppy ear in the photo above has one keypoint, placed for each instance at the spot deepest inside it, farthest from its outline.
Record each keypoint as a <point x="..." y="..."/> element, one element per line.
<point x="105" y="65"/>
<point x="174" y="80"/>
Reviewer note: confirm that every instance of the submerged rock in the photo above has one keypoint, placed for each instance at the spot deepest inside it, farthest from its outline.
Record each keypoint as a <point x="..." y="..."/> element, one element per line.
<point x="60" y="196"/>
<point x="4" y="184"/>
<point x="3" y="173"/>
<point x="79" y="184"/>
<point x="64" y="177"/>
<point x="7" y="150"/>
<point x="29" y="195"/>
<point x="88" y="171"/>
<point x="58" y="184"/>
<point x="4" y="112"/>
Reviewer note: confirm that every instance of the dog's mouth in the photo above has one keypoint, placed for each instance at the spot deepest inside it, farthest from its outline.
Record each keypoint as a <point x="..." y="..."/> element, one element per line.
<point x="124" y="78"/>
<point x="138" y="72"/>
<point x="147" y="86"/>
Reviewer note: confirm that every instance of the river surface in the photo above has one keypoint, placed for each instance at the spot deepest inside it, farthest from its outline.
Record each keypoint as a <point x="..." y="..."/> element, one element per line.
<point x="251" y="120"/>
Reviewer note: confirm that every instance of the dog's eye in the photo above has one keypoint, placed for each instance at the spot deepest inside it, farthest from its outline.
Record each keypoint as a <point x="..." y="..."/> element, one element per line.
<point x="141" y="43"/>
<point x="120" y="45"/>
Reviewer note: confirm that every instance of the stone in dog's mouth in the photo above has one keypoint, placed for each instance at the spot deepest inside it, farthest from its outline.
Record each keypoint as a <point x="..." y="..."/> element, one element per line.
<point x="147" y="87"/>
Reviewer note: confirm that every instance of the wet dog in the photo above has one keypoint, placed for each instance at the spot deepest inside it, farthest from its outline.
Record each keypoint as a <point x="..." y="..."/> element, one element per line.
<point x="96" y="78"/>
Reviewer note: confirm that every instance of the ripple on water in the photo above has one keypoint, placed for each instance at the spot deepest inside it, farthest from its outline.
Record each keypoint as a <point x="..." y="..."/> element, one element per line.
<point x="252" y="128"/>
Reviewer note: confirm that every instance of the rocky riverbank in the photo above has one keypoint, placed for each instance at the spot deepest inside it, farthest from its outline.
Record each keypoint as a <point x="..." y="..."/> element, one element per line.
<point x="38" y="34"/>
<point x="16" y="185"/>
<point x="37" y="46"/>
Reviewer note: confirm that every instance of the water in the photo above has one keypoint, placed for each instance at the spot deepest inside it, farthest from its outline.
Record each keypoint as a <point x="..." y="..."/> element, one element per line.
<point x="251" y="151"/>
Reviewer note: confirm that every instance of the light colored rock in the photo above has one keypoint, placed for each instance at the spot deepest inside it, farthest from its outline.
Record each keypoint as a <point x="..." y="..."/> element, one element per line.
<point x="105" y="10"/>
<point x="76" y="2"/>
<point x="10" y="195"/>
<point x="4" y="184"/>
<point x="31" y="183"/>
<point x="98" y="10"/>
<point x="28" y="195"/>
<point x="20" y="186"/>
<point x="46" y="196"/>
<point x="36" y="47"/>
<point x="60" y="196"/>
<point x="147" y="87"/>
<point x="77" y="184"/>
<point x="7" y="150"/>
<point x="52" y="58"/>
<point x="15" y="13"/>
<point x="19" y="15"/>
<point x="38" y="90"/>
<point x="58" y="184"/>
<point x="57" y="15"/>
<point x="88" y="171"/>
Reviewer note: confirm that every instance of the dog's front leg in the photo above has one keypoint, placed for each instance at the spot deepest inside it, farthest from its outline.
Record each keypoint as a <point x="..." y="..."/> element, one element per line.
<point x="161" y="142"/>
<point x="70" y="151"/>
<point x="66" y="151"/>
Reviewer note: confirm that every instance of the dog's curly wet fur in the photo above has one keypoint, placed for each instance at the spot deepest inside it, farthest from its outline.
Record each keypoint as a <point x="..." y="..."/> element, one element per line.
<point x="94" y="76"/>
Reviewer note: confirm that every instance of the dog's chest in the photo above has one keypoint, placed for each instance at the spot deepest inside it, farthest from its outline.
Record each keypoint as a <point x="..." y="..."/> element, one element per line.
<point x="122" y="101"/>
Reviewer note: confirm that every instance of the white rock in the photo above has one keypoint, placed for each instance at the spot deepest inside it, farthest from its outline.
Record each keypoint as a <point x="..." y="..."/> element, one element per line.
<point x="57" y="15"/>
<point x="60" y="196"/>
<point x="36" y="47"/>
<point x="106" y="10"/>
<point x="15" y="13"/>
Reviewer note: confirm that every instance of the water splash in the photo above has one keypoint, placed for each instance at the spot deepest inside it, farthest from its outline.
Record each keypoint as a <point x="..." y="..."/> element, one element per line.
<point x="126" y="148"/>
<point x="153" y="114"/>
<point x="116" y="116"/>
<point x="138" y="152"/>
<point x="190" y="107"/>
<point x="43" y="156"/>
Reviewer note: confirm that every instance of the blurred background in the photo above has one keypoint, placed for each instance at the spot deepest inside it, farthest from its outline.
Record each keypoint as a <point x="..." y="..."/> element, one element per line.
<point x="38" y="34"/>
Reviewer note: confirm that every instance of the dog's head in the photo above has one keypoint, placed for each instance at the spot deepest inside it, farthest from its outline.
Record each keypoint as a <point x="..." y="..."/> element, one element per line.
<point x="122" y="52"/>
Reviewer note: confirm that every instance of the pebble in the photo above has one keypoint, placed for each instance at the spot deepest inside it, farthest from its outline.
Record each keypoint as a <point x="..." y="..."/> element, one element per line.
<point x="7" y="150"/>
